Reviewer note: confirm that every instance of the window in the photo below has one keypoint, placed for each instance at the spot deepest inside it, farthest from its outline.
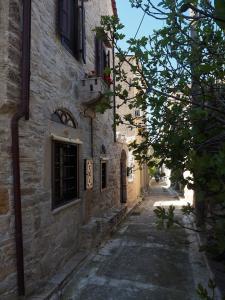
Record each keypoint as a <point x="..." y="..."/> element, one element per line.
<point x="137" y="113"/>
<point x="64" y="117"/>
<point x="103" y="150"/>
<point x="131" y="167"/>
<point x="102" y="57"/>
<point x="103" y="174"/>
<point x="65" y="172"/>
<point x="130" y="83"/>
<point x="72" y="27"/>
<point x="130" y="173"/>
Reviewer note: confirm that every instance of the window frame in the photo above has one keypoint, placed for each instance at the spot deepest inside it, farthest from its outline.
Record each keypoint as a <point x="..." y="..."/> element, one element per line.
<point x="60" y="203"/>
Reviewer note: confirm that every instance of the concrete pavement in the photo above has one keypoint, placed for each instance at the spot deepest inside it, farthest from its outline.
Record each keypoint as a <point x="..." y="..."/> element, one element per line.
<point x="142" y="262"/>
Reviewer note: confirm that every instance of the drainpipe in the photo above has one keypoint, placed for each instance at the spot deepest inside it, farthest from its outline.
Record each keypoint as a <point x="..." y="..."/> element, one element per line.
<point x="92" y="137"/>
<point x="114" y="96"/>
<point x="22" y="111"/>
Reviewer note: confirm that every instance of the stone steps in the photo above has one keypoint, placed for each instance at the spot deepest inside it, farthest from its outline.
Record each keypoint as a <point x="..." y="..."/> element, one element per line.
<point x="97" y="230"/>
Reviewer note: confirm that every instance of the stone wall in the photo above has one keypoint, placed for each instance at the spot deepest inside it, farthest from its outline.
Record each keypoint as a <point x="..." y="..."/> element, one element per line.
<point x="10" y="34"/>
<point x="50" y="237"/>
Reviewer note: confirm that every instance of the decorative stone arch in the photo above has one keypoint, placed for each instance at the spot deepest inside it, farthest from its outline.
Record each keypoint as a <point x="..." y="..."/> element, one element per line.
<point x="65" y="117"/>
<point x="123" y="177"/>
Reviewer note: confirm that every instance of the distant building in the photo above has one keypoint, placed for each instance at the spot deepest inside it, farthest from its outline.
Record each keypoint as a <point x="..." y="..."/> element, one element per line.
<point x="138" y="177"/>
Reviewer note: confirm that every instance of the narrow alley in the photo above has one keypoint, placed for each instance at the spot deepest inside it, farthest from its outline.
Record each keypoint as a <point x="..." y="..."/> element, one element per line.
<point x="141" y="261"/>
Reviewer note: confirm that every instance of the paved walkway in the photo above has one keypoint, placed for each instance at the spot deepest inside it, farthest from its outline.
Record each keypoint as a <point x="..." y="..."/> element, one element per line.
<point x="141" y="262"/>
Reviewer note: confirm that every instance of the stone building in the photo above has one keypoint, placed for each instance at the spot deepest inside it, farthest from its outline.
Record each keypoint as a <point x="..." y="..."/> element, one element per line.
<point x="138" y="177"/>
<point x="63" y="180"/>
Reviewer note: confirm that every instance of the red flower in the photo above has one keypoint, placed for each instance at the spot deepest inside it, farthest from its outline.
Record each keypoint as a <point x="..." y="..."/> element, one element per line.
<point x="108" y="79"/>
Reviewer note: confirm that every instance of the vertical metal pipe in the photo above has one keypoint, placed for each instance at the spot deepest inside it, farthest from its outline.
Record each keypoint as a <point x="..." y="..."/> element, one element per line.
<point x="23" y="111"/>
<point x="17" y="204"/>
<point x="114" y="96"/>
<point x="92" y="137"/>
<point x="25" y="68"/>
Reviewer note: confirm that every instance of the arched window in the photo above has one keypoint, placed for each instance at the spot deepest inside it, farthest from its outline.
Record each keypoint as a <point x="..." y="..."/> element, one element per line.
<point x="64" y="117"/>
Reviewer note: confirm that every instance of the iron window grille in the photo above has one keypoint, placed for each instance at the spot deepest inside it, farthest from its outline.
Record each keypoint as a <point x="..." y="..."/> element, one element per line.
<point x="65" y="173"/>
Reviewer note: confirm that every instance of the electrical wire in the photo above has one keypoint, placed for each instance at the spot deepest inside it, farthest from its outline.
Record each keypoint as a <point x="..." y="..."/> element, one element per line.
<point x="139" y="27"/>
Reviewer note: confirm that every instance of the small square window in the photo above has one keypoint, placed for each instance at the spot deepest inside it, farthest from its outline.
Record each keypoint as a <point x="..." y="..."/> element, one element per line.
<point x="65" y="173"/>
<point x="137" y="113"/>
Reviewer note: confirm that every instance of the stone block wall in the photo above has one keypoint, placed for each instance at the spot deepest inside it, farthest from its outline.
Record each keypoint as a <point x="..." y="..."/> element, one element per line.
<point x="10" y="53"/>
<point x="50" y="237"/>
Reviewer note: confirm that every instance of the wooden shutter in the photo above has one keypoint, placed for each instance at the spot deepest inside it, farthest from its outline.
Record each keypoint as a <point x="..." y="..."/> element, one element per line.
<point x="76" y="31"/>
<point x="105" y="60"/>
<point x="83" y="31"/>
<point x="64" y="14"/>
<point x="99" y="57"/>
<point x="108" y="59"/>
<point x="69" y="27"/>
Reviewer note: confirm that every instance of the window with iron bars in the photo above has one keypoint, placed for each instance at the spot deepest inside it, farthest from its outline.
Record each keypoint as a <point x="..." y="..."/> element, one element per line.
<point x="65" y="173"/>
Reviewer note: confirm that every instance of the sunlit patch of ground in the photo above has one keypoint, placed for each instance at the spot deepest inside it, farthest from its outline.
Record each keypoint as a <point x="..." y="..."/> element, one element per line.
<point x="181" y="201"/>
<point x="176" y="203"/>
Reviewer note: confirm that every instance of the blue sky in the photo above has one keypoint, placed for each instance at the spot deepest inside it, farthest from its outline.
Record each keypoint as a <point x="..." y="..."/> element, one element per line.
<point x="131" y="18"/>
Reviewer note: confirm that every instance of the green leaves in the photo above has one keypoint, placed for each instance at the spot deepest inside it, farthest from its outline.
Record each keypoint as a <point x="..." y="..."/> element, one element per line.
<point x="165" y="217"/>
<point x="187" y="209"/>
<point x="219" y="13"/>
<point x="102" y="105"/>
<point x="203" y="293"/>
<point x="176" y="76"/>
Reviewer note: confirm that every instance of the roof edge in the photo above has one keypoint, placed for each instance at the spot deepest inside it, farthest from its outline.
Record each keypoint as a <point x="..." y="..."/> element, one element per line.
<point x="114" y="7"/>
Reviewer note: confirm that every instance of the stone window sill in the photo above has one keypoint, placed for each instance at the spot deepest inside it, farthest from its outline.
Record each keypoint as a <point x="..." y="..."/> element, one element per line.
<point x="61" y="208"/>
